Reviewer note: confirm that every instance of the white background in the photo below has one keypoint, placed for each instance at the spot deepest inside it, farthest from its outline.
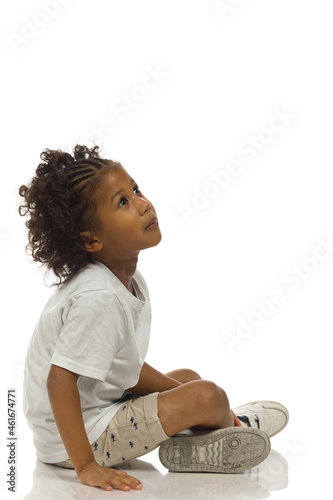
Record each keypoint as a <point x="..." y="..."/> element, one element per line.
<point x="223" y="76"/>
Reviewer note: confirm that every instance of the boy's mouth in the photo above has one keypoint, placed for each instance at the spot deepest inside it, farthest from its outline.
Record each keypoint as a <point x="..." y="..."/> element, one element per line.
<point x="153" y="223"/>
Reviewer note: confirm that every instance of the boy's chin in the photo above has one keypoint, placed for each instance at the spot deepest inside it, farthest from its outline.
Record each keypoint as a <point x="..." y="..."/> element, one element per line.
<point x="154" y="242"/>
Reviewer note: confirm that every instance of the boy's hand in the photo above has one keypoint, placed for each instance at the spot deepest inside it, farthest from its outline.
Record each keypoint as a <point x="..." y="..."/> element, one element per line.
<point x="94" y="474"/>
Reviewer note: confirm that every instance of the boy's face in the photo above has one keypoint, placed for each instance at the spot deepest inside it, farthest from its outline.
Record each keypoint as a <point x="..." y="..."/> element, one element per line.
<point x="124" y="215"/>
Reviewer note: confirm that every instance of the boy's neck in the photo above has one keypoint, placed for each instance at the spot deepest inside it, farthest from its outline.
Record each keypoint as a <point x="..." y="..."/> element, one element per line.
<point x="124" y="271"/>
<point x="125" y="275"/>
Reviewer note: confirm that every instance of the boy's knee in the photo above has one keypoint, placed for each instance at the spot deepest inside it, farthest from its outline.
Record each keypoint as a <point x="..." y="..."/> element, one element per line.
<point x="184" y="375"/>
<point x="190" y="375"/>
<point x="211" y="399"/>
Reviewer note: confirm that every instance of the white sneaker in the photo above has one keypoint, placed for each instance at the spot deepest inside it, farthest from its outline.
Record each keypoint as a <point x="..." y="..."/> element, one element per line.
<point x="230" y="450"/>
<point x="268" y="416"/>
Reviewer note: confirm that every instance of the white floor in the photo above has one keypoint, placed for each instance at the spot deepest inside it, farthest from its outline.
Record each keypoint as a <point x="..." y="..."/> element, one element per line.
<point x="272" y="475"/>
<point x="295" y="468"/>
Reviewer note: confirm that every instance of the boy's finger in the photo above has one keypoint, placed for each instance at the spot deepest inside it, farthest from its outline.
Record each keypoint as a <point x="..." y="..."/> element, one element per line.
<point x="123" y="482"/>
<point x="105" y="486"/>
<point x="121" y="472"/>
<point x="132" y="482"/>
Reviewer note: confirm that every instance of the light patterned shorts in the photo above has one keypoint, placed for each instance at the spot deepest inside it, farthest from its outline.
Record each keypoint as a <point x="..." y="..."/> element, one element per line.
<point x="134" y="431"/>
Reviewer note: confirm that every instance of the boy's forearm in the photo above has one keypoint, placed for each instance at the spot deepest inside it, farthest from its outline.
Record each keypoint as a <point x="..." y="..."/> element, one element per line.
<point x="65" y="402"/>
<point x="152" y="380"/>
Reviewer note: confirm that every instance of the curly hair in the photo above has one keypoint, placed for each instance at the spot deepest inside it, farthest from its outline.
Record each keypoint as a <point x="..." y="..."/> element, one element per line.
<point x="60" y="203"/>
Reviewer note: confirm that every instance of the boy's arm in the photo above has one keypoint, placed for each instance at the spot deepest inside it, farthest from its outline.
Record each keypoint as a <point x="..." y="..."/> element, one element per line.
<point x="152" y="380"/>
<point x="65" y="403"/>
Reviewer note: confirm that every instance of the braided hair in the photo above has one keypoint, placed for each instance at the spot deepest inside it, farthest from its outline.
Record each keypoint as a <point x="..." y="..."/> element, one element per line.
<point x="60" y="203"/>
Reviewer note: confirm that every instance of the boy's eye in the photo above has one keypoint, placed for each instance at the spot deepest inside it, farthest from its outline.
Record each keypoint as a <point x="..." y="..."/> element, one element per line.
<point x="123" y="201"/>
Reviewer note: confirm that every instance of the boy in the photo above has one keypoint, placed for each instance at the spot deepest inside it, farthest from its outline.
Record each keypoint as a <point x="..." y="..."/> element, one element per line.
<point x="90" y="398"/>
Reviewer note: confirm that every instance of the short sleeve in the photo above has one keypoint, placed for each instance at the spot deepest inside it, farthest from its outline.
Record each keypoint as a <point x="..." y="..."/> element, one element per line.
<point x="94" y="329"/>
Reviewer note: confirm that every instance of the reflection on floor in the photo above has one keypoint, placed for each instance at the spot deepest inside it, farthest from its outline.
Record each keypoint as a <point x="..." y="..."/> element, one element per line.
<point x="54" y="483"/>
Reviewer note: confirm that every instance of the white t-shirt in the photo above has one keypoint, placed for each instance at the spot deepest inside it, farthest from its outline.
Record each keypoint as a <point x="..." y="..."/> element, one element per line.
<point x="95" y="327"/>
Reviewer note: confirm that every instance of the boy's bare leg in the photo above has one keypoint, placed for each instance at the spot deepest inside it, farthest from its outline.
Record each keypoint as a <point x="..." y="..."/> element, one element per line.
<point x="195" y="403"/>
<point x="184" y="375"/>
<point x="227" y="450"/>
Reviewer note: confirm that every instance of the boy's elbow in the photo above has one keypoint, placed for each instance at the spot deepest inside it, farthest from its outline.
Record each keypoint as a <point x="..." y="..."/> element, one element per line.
<point x="58" y="376"/>
<point x="51" y="382"/>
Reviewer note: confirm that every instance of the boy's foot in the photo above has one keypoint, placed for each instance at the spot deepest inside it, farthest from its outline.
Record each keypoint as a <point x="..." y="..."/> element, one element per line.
<point x="230" y="450"/>
<point x="268" y="416"/>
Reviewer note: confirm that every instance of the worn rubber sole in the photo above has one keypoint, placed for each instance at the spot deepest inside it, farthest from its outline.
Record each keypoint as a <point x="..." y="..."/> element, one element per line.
<point x="228" y="451"/>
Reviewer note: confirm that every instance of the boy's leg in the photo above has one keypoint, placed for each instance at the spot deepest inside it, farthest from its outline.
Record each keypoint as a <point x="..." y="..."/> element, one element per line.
<point x="196" y="403"/>
<point x="184" y="375"/>
<point x="224" y="448"/>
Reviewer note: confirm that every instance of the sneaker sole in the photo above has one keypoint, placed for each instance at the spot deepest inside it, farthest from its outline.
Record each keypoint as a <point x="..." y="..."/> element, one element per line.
<point x="228" y="451"/>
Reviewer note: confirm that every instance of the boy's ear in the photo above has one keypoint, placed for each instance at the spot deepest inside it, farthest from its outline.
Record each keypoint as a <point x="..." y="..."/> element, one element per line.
<point x="91" y="242"/>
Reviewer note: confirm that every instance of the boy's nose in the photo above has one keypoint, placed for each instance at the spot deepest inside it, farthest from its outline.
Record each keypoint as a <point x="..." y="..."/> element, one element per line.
<point x="144" y="205"/>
